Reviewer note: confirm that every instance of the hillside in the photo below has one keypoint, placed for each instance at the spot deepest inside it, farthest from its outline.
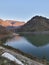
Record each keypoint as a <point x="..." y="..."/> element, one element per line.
<point x="37" y="23"/>
<point x="6" y="23"/>
<point x="3" y="30"/>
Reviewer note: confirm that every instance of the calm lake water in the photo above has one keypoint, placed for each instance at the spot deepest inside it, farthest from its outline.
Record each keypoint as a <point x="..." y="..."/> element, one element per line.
<point x="35" y="45"/>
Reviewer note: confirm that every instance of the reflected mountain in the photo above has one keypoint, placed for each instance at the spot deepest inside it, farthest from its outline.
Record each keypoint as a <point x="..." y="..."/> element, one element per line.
<point x="38" y="39"/>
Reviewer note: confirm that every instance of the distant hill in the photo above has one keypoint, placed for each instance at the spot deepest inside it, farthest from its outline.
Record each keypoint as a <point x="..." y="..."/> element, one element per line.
<point x="37" y="23"/>
<point x="6" y="23"/>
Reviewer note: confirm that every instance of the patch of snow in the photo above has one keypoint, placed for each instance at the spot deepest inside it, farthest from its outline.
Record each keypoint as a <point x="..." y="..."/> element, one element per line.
<point x="1" y="47"/>
<point x="12" y="58"/>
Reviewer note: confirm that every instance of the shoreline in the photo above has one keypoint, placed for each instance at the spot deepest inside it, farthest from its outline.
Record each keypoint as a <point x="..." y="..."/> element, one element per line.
<point x="22" y="54"/>
<point x="39" y="32"/>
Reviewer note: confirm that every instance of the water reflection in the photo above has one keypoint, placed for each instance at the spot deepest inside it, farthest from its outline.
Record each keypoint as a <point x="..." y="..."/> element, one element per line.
<point x="24" y="45"/>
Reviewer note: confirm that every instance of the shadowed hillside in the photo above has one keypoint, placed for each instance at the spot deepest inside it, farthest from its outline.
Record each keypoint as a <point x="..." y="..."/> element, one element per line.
<point x="3" y="30"/>
<point x="36" y="24"/>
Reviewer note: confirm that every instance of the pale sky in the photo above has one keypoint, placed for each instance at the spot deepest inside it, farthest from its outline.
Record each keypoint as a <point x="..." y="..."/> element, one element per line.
<point x="23" y="9"/>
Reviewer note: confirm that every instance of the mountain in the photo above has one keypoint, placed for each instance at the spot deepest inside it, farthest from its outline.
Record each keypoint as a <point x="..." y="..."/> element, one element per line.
<point x="37" y="23"/>
<point x="6" y="23"/>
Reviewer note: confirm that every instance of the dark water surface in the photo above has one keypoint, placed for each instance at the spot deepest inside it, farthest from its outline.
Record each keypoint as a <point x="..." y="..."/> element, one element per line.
<point x="35" y="45"/>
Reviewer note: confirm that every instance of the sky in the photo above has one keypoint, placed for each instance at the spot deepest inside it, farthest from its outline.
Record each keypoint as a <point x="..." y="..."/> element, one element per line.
<point x="23" y="10"/>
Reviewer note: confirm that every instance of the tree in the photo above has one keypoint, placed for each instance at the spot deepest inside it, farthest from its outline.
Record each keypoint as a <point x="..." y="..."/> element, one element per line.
<point x="12" y="26"/>
<point x="13" y="23"/>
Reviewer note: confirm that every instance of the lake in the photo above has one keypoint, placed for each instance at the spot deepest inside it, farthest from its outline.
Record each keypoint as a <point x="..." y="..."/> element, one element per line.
<point x="36" y="45"/>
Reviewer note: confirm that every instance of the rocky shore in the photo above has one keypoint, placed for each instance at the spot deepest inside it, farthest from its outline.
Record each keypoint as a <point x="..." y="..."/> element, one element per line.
<point x="22" y="58"/>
